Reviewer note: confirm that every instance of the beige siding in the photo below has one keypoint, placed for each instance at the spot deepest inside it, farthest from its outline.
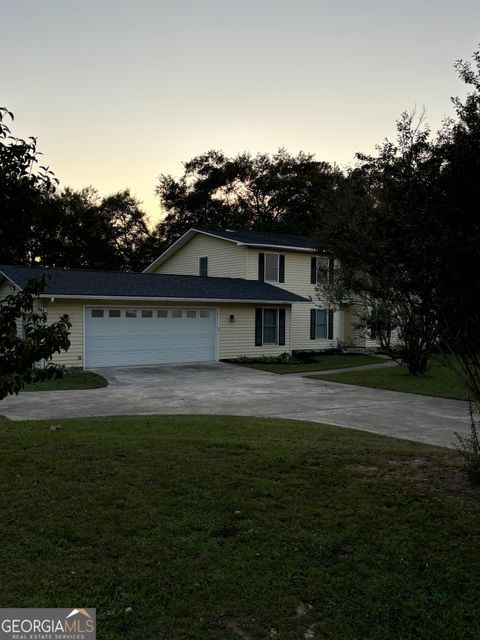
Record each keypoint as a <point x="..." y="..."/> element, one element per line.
<point x="297" y="280"/>
<point x="74" y="356"/>
<point x="238" y="338"/>
<point x="235" y="339"/>
<point x="225" y="259"/>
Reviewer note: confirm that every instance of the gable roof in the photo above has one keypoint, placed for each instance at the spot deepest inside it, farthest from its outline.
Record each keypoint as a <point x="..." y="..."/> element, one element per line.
<point x="83" y="283"/>
<point x="261" y="239"/>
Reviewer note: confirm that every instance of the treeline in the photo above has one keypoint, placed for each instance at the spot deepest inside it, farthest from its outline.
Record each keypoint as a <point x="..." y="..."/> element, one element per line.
<point x="77" y="228"/>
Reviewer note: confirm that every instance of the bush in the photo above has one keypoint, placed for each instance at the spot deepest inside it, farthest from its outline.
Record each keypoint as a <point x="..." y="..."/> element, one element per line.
<point x="470" y="448"/>
<point x="283" y="358"/>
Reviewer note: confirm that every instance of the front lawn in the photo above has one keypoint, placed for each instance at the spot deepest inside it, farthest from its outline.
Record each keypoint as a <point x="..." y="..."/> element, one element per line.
<point x="214" y="528"/>
<point x="319" y="363"/>
<point x="73" y="379"/>
<point x="438" y="381"/>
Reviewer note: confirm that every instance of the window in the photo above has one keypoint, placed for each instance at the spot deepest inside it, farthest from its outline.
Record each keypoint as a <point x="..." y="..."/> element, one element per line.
<point x="270" y="326"/>
<point x="162" y="313"/>
<point x="130" y="313"/>
<point x="203" y="266"/>
<point x="322" y="270"/>
<point x="97" y="313"/>
<point x="271" y="267"/>
<point x="191" y="313"/>
<point x="204" y="313"/>
<point x="321" y="324"/>
<point x="177" y="313"/>
<point x="147" y="313"/>
<point x="114" y="313"/>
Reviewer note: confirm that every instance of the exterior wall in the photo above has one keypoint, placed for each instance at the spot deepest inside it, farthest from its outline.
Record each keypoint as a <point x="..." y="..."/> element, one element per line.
<point x="225" y="259"/>
<point x="235" y="339"/>
<point x="297" y="280"/>
<point x="238" y="338"/>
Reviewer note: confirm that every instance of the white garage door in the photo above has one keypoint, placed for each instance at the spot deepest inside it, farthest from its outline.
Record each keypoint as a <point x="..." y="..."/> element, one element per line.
<point x="135" y="335"/>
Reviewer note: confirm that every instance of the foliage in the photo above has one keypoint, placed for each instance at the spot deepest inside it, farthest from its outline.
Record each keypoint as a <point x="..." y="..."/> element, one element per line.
<point x="25" y="193"/>
<point x="262" y="192"/>
<point x="19" y="354"/>
<point x="72" y="228"/>
<point x="282" y="358"/>
<point x="383" y="232"/>
<point x="308" y="361"/>
<point x="469" y="447"/>
<point x="94" y="232"/>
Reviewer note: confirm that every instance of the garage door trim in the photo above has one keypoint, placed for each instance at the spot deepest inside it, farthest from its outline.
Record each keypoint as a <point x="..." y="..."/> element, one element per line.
<point x="184" y="307"/>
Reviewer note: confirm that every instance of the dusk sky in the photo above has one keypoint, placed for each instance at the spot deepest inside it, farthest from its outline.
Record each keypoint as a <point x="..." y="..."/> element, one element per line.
<point x="120" y="91"/>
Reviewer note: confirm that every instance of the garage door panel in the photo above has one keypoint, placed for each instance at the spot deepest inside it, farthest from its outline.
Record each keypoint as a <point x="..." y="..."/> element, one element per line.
<point x="130" y="341"/>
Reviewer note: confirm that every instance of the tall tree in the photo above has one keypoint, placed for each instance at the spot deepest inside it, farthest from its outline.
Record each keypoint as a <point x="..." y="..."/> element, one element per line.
<point x="384" y="233"/>
<point x="25" y="193"/>
<point x="262" y="192"/>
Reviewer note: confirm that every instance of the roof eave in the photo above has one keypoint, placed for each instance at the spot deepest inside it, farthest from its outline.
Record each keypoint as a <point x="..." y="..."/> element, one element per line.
<point x="168" y="299"/>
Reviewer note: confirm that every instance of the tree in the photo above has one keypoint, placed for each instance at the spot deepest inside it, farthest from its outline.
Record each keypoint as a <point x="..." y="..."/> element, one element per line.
<point x="383" y="232"/>
<point x="25" y="193"/>
<point x="457" y="290"/>
<point x="20" y="354"/>
<point x="262" y="192"/>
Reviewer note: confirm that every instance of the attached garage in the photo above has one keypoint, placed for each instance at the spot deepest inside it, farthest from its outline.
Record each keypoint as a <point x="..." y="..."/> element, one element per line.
<point x="122" y="336"/>
<point x="128" y="319"/>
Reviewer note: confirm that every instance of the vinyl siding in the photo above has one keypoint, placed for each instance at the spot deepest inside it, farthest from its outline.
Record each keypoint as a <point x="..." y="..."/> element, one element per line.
<point x="235" y="339"/>
<point x="297" y="280"/>
<point x="238" y="338"/>
<point x="225" y="259"/>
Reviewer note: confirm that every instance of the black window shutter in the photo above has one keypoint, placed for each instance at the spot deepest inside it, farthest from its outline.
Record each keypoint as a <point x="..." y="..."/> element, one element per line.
<point x="331" y="270"/>
<point x="281" y="326"/>
<point x="330" y="324"/>
<point x="281" y="268"/>
<point x="313" y="321"/>
<point x="261" y="267"/>
<point x="313" y="271"/>
<point x="258" y="327"/>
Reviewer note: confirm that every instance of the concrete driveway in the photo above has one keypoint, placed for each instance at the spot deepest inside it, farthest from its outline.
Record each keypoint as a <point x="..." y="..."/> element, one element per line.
<point x="219" y="388"/>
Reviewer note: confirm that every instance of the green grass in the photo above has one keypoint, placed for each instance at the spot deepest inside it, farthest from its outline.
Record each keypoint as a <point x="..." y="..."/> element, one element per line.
<point x="216" y="528"/>
<point x="438" y="381"/>
<point x="73" y="379"/>
<point x="320" y="362"/>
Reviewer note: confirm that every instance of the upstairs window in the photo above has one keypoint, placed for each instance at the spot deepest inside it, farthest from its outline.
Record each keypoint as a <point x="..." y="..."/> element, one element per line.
<point x="321" y="270"/>
<point x="271" y="267"/>
<point x="203" y="266"/>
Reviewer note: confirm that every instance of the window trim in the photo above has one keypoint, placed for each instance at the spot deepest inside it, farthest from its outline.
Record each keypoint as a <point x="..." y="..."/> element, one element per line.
<point x="271" y="253"/>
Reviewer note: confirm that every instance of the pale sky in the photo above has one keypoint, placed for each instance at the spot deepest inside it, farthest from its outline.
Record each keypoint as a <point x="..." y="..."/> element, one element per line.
<point x="120" y="91"/>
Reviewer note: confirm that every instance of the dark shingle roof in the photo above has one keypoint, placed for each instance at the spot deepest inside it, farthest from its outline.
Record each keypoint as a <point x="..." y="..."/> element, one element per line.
<point x="97" y="284"/>
<point x="259" y="238"/>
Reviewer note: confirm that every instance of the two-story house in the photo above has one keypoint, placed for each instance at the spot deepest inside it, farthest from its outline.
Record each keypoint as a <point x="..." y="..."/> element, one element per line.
<point x="210" y="296"/>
